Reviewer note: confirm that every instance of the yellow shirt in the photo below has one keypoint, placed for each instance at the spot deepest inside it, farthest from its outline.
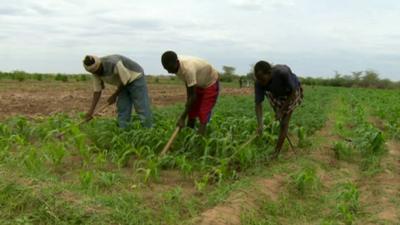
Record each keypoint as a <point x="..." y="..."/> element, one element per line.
<point x="196" y="71"/>
<point x="120" y="76"/>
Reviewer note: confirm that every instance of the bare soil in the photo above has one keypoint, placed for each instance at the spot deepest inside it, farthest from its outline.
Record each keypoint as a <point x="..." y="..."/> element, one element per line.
<point x="228" y="213"/>
<point x="44" y="98"/>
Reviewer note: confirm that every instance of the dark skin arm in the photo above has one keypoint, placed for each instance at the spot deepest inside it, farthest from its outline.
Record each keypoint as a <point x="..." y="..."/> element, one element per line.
<point x="190" y="100"/>
<point x="95" y="100"/>
<point x="113" y="98"/>
<point x="259" y="115"/>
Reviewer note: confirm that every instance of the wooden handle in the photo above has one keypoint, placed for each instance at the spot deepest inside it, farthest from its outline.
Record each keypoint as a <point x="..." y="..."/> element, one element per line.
<point x="251" y="139"/>
<point x="101" y="109"/>
<point x="290" y="143"/>
<point x="169" y="143"/>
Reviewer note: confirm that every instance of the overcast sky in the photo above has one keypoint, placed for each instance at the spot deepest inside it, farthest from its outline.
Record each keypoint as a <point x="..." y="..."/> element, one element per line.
<point x="314" y="38"/>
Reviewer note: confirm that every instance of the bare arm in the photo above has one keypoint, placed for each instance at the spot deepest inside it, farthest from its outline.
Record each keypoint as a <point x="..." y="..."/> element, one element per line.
<point x="118" y="90"/>
<point x="191" y="99"/>
<point x="95" y="100"/>
<point x="259" y="115"/>
<point x="113" y="98"/>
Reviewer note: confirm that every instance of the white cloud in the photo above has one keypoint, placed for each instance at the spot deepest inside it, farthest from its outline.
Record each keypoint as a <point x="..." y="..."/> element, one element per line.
<point x="313" y="37"/>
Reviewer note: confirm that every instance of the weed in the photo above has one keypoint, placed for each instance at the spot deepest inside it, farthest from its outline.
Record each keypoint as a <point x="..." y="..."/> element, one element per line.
<point x="343" y="151"/>
<point x="348" y="204"/>
<point x="305" y="180"/>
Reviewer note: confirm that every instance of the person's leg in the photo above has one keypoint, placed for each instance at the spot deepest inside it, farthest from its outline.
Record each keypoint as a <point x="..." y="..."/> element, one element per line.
<point x="124" y="108"/>
<point x="194" y="111"/>
<point x="202" y="129"/>
<point x="208" y="102"/>
<point x="139" y="95"/>
<point x="191" y="122"/>
<point x="283" y="132"/>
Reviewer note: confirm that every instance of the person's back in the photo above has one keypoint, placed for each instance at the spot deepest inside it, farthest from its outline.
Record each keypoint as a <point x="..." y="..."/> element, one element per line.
<point x="129" y="77"/>
<point x="202" y="87"/>
<point x="194" y="69"/>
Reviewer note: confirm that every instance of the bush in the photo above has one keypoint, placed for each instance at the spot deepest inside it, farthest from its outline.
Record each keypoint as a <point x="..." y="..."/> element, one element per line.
<point x="83" y="77"/>
<point x="38" y="77"/>
<point x="60" y="77"/>
<point x="226" y="78"/>
<point x="20" y="75"/>
<point x="368" y="78"/>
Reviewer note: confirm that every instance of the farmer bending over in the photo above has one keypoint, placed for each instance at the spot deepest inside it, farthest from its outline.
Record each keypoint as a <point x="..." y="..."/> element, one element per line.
<point x="284" y="93"/>
<point x="202" y="87"/>
<point x="129" y="77"/>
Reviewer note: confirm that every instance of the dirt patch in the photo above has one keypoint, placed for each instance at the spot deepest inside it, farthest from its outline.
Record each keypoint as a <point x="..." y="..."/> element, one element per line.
<point x="377" y="193"/>
<point x="325" y="153"/>
<point x="34" y="98"/>
<point x="229" y="212"/>
<point x="377" y="122"/>
<point x="394" y="149"/>
<point x="170" y="179"/>
<point x="380" y="194"/>
<point x="389" y="181"/>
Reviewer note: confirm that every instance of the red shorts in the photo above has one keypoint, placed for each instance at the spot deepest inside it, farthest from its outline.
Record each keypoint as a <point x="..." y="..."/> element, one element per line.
<point x="205" y="102"/>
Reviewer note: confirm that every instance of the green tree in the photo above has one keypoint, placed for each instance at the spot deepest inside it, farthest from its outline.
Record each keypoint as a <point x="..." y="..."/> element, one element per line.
<point x="370" y="79"/>
<point x="228" y="70"/>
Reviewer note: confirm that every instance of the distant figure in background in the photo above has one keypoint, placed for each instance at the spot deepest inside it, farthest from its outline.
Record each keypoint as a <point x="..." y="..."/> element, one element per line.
<point x="240" y="82"/>
<point x="202" y="87"/>
<point x="129" y="77"/>
<point x="284" y="92"/>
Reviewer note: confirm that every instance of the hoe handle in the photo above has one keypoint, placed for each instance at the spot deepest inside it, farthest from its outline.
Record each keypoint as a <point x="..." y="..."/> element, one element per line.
<point x="101" y="109"/>
<point x="169" y="143"/>
<point x="290" y="143"/>
<point x="251" y="139"/>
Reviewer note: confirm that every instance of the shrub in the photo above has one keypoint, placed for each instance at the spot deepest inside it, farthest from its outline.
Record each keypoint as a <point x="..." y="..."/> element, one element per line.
<point x="38" y="77"/>
<point x="60" y="77"/>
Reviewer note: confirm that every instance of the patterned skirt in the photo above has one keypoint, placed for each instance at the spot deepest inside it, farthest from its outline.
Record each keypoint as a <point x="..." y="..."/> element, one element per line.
<point x="278" y="102"/>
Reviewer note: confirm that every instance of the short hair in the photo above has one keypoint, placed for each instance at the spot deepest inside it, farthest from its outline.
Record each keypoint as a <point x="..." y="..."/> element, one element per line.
<point x="168" y="58"/>
<point x="262" y="66"/>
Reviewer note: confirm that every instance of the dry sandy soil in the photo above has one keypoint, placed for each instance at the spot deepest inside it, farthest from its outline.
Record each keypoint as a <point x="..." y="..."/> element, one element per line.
<point x="42" y="98"/>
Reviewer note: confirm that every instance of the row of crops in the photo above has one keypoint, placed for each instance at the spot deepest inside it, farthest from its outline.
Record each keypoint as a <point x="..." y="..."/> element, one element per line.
<point x="385" y="105"/>
<point x="361" y="140"/>
<point x="99" y="165"/>
<point x="46" y="145"/>
<point x="345" y="189"/>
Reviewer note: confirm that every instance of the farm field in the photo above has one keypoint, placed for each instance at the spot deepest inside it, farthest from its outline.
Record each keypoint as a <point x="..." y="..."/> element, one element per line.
<point x="345" y="168"/>
<point x="34" y="98"/>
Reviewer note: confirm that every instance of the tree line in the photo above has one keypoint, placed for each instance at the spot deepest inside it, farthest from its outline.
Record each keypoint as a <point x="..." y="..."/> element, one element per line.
<point x="367" y="78"/>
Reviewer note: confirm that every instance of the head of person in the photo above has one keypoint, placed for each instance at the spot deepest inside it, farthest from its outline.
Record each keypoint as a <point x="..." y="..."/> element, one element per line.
<point x="170" y="61"/>
<point x="262" y="72"/>
<point x="92" y="64"/>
